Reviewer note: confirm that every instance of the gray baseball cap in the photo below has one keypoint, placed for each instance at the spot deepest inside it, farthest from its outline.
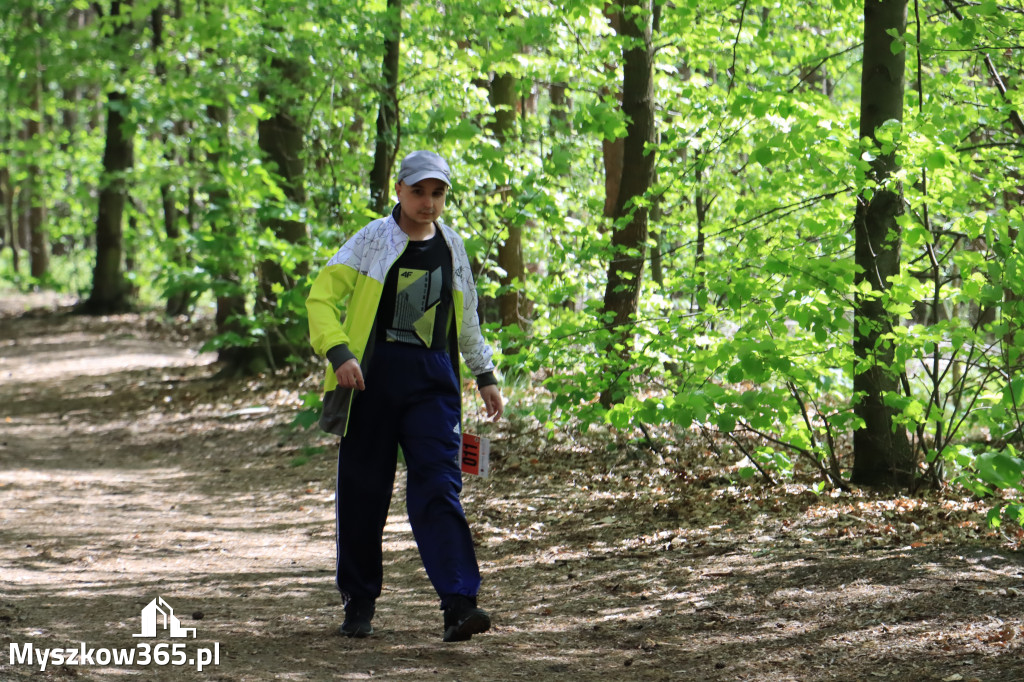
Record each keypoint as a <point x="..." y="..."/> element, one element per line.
<point x="421" y="165"/>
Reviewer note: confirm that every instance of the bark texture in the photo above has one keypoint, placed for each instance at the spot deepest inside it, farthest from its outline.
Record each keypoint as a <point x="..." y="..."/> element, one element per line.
<point x="629" y="235"/>
<point x="389" y="130"/>
<point x="109" y="288"/>
<point x="882" y="453"/>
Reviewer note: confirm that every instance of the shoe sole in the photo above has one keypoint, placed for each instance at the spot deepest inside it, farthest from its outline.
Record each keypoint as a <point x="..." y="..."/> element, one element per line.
<point x="475" y="624"/>
<point x="358" y="632"/>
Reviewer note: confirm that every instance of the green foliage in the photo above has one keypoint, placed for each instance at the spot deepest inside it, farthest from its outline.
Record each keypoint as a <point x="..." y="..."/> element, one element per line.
<point x="987" y="473"/>
<point x="310" y="412"/>
<point x="745" y="338"/>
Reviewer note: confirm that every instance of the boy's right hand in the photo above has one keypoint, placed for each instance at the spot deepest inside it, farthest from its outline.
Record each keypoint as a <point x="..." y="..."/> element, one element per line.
<point x="350" y="375"/>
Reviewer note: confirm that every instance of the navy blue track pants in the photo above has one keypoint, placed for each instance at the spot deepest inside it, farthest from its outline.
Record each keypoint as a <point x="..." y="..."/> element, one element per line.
<point x="412" y="399"/>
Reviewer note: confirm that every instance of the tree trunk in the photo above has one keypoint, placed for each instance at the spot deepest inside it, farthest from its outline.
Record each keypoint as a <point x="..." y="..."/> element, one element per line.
<point x="178" y="299"/>
<point x="629" y="235"/>
<point x="8" y="230"/>
<point x="656" y="213"/>
<point x="612" y="151"/>
<point x="22" y="211"/>
<point x="228" y="260"/>
<point x="388" y="126"/>
<point x="700" y="214"/>
<point x="109" y="289"/>
<point x="881" y="450"/>
<point x="231" y="305"/>
<point x="77" y="20"/>
<point x="510" y="250"/>
<point x="39" y="245"/>
<point x="560" y="105"/>
<point x="656" y="216"/>
<point x="281" y="139"/>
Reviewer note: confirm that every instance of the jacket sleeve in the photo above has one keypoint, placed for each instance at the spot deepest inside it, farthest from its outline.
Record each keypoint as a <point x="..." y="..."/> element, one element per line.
<point x="475" y="351"/>
<point x="325" y="305"/>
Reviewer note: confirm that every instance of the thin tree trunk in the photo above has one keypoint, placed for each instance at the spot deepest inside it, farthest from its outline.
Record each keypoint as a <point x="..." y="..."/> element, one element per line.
<point x="8" y="232"/>
<point x="231" y="305"/>
<point x="281" y="140"/>
<point x="232" y="308"/>
<point x="657" y="261"/>
<point x="700" y="211"/>
<point x="881" y="449"/>
<point x="77" y="20"/>
<point x="22" y="209"/>
<point x="39" y="246"/>
<point x="109" y="289"/>
<point x="388" y="126"/>
<point x="629" y="235"/>
<point x="8" y="223"/>
<point x="510" y="250"/>
<point x="560" y="104"/>
<point x="178" y="300"/>
<point x="612" y="150"/>
<point x="656" y="214"/>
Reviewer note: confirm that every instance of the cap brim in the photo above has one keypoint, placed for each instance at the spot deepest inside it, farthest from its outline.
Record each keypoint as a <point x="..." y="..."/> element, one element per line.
<point x="423" y="175"/>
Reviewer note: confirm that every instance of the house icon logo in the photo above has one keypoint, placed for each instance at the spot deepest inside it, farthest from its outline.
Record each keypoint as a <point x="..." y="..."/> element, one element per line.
<point x="159" y="613"/>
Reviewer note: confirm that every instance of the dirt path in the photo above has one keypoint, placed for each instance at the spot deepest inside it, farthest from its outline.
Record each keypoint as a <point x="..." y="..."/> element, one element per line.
<point x="128" y="473"/>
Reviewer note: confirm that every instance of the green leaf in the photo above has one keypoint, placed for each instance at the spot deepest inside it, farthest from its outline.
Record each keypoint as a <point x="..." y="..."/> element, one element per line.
<point x="735" y="374"/>
<point x="1013" y="393"/>
<point x="746" y="473"/>
<point x="725" y="422"/>
<point x="987" y="9"/>
<point x="1001" y="470"/>
<point x="753" y="366"/>
<point x="763" y="155"/>
<point x="937" y="159"/>
<point x="619" y="417"/>
<point x="464" y="130"/>
<point x="305" y="419"/>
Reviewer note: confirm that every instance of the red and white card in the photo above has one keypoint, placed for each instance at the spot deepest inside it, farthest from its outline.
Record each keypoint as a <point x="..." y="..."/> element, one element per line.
<point x="476" y="455"/>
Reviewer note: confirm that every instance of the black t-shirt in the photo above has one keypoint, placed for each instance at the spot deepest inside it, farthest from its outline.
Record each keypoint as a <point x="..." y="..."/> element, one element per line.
<point x="416" y="305"/>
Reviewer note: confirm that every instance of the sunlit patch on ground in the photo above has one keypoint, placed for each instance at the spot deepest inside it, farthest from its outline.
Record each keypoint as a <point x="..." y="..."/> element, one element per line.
<point x="132" y="472"/>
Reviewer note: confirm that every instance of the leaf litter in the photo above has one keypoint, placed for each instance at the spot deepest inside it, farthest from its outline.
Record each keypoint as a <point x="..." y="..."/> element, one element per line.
<point x="129" y="471"/>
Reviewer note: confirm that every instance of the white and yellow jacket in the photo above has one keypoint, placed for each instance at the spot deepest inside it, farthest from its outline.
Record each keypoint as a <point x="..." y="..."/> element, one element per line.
<point x="342" y="307"/>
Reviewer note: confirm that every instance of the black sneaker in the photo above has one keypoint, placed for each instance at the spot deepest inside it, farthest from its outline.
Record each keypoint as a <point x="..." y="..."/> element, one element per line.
<point x="357" y="619"/>
<point x="462" y="619"/>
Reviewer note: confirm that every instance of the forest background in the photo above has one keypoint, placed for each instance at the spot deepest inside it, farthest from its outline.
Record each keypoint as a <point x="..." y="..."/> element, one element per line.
<point x="789" y="231"/>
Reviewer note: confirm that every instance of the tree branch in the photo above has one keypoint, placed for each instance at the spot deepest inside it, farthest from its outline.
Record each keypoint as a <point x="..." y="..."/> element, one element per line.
<point x="1015" y="118"/>
<point x="739" y="30"/>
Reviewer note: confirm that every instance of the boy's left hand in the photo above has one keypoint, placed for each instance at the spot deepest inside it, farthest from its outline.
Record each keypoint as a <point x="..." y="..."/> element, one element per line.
<point x="492" y="401"/>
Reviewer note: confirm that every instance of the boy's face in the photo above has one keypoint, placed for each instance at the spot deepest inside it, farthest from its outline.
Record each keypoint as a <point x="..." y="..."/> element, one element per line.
<point x="422" y="203"/>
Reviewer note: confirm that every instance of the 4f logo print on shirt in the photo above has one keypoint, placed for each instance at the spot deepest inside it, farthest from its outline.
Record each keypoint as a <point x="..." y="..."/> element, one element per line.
<point x="419" y="292"/>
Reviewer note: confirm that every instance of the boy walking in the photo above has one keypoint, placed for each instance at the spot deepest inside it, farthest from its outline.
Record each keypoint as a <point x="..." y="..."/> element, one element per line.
<point x="391" y="311"/>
